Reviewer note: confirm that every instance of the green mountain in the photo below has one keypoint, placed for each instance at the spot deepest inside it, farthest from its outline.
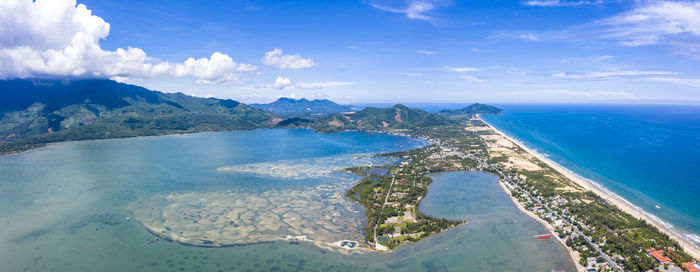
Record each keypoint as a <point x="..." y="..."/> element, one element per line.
<point x="303" y="107"/>
<point x="39" y="111"/>
<point x="370" y="118"/>
<point x="470" y="110"/>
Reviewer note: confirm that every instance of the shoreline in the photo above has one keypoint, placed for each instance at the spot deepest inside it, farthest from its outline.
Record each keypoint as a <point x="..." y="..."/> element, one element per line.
<point x="574" y="257"/>
<point x="614" y="199"/>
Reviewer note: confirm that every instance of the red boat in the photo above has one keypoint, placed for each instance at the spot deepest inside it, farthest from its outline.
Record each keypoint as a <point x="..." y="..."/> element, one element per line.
<point x="543" y="236"/>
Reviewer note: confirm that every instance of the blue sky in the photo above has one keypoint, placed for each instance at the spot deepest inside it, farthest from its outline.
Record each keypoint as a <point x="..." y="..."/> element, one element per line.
<point x="368" y="51"/>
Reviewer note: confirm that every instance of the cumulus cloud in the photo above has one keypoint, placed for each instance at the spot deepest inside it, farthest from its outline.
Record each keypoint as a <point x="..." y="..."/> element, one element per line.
<point x="62" y="38"/>
<point x="276" y="59"/>
<point x="282" y="82"/>
<point x="286" y="83"/>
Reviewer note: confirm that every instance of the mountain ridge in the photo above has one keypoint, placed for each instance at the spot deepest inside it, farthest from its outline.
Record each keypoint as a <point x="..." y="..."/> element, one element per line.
<point x="34" y="112"/>
<point x="40" y="111"/>
<point x="303" y="107"/>
<point x="470" y="110"/>
<point x="371" y="118"/>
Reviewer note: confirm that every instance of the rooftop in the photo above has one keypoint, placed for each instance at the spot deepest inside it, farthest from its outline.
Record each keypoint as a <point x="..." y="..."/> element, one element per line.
<point x="659" y="256"/>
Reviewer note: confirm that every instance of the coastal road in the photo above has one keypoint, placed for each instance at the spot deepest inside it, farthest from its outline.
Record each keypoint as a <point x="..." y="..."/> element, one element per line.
<point x="505" y="178"/>
<point x="607" y="258"/>
<point x="386" y="199"/>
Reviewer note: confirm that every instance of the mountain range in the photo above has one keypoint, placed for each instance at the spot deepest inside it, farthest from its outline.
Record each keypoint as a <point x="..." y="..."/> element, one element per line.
<point x="303" y="107"/>
<point x="34" y="112"/>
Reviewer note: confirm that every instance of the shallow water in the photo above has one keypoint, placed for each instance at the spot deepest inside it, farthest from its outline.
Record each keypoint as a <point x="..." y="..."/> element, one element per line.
<point x="64" y="208"/>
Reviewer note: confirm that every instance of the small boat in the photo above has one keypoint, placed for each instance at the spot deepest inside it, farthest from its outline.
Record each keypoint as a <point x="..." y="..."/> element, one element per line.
<point x="543" y="236"/>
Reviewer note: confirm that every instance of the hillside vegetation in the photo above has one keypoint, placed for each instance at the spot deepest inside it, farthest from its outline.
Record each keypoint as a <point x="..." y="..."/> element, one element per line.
<point x="35" y="112"/>
<point x="370" y="118"/>
<point x="303" y="108"/>
<point x="39" y="111"/>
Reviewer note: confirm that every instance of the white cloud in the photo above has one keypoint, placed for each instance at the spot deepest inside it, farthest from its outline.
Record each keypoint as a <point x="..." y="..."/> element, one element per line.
<point x="412" y="9"/>
<point x="471" y="78"/>
<point x="602" y="58"/>
<point x="62" y="38"/>
<point x="286" y="83"/>
<point x="559" y="3"/>
<point x="214" y="70"/>
<point x="475" y="50"/>
<point x="461" y="69"/>
<point x="654" y="22"/>
<point x="592" y="95"/>
<point x="527" y="36"/>
<point x="692" y="82"/>
<point x="425" y="52"/>
<point x="282" y="83"/>
<point x="276" y="59"/>
<point x="609" y="74"/>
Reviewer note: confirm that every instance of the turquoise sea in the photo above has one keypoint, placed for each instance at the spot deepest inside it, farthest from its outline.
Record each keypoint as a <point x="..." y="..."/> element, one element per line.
<point x="94" y="205"/>
<point x="646" y="154"/>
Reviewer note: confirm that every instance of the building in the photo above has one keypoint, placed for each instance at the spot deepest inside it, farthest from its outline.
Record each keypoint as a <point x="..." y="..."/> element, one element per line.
<point x="659" y="256"/>
<point x="692" y="266"/>
<point x="591" y="264"/>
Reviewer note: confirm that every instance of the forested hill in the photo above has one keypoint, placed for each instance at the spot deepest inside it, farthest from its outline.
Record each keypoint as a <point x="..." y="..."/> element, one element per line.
<point x="38" y="111"/>
<point x="303" y="107"/>
<point x="370" y="118"/>
<point x="470" y="110"/>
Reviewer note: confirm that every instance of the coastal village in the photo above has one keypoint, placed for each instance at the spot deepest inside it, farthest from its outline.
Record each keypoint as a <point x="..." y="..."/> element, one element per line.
<point x="598" y="235"/>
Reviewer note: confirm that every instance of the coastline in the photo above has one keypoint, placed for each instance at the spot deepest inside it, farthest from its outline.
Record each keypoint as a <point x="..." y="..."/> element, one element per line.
<point x="574" y="257"/>
<point x="618" y="201"/>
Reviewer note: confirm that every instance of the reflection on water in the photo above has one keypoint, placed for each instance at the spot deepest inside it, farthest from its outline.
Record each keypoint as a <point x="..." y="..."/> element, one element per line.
<point x="83" y="207"/>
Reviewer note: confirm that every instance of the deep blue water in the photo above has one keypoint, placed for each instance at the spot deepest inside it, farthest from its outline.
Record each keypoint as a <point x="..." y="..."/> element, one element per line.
<point x="647" y="154"/>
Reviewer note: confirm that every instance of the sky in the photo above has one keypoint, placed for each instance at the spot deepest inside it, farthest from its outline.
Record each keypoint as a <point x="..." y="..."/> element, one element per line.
<point x="410" y="51"/>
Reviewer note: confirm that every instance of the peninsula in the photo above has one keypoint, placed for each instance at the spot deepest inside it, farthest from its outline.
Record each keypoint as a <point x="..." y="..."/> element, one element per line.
<point x="600" y="232"/>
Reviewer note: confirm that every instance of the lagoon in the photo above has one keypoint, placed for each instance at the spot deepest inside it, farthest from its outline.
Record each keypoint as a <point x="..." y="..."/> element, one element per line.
<point x="95" y="205"/>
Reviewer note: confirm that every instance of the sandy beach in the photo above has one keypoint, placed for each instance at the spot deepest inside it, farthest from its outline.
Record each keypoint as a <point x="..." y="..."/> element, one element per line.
<point x="574" y="256"/>
<point x="621" y="203"/>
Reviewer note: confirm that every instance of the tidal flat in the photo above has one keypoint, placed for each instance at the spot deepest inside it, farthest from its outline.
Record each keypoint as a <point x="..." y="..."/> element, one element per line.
<point x="97" y="205"/>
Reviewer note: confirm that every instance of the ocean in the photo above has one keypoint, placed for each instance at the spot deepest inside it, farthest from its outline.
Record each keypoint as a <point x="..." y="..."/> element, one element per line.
<point x="646" y="154"/>
<point x="94" y="206"/>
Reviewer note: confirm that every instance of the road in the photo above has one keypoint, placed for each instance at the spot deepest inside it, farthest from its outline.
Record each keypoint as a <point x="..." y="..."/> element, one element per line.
<point x="386" y="199"/>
